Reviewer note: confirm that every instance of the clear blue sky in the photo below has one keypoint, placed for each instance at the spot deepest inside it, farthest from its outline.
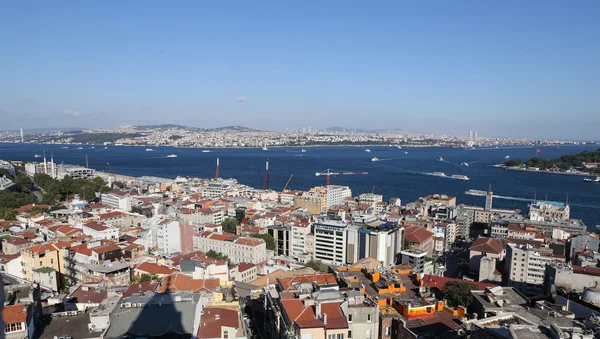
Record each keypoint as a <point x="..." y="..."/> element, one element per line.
<point x="504" y="68"/>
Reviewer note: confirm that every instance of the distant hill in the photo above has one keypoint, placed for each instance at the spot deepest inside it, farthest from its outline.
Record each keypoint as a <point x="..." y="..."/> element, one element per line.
<point x="360" y="130"/>
<point x="45" y="129"/>
<point x="232" y="128"/>
<point x="216" y="129"/>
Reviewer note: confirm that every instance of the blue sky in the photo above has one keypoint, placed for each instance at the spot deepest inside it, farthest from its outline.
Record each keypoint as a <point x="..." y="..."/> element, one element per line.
<point x="504" y="68"/>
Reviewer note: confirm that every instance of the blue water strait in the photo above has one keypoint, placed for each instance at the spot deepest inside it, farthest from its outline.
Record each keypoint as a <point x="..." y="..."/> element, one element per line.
<point x="396" y="174"/>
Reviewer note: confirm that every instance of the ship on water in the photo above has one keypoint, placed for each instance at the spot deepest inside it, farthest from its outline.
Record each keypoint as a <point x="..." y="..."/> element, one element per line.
<point x="149" y="150"/>
<point x="375" y="159"/>
<point x="172" y="156"/>
<point x="440" y="159"/>
<point x="477" y="193"/>
<point x="303" y="151"/>
<point x="368" y="150"/>
<point x="265" y="148"/>
<point x="591" y="179"/>
<point x="206" y="151"/>
<point x="466" y="164"/>
<point x="439" y="174"/>
<point x="460" y="177"/>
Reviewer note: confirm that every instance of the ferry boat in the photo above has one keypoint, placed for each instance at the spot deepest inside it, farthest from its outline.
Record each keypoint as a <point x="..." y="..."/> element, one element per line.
<point x="477" y="193"/>
<point x="592" y="179"/>
<point x="466" y="164"/>
<point x="460" y="177"/>
<point x="399" y="147"/>
<point x="303" y="150"/>
<point x="405" y="152"/>
<point x="79" y="147"/>
<point x="439" y="174"/>
<point x="37" y="156"/>
<point x="172" y="156"/>
<point x="65" y="147"/>
<point x="206" y="151"/>
<point x="375" y="159"/>
<point x="507" y="157"/>
<point x="265" y="148"/>
<point x="368" y="150"/>
<point x="149" y="150"/>
<point x="440" y="159"/>
<point x="92" y="147"/>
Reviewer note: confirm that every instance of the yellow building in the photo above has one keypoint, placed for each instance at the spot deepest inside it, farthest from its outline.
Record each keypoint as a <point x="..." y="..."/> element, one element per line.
<point x="45" y="255"/>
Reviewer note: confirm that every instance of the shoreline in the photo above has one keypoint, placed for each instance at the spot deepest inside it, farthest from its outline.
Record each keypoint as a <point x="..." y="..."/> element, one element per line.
<point x="583" y="174"/>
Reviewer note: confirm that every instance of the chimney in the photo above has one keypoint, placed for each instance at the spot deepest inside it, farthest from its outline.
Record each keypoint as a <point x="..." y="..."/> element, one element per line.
<point x="325" y="318"/>
<point x="318" y="310"/>
<point x="217" y="317"/>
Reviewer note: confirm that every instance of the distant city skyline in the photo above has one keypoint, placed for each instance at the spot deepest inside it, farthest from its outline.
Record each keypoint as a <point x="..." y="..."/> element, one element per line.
<point x="509" y="69"/>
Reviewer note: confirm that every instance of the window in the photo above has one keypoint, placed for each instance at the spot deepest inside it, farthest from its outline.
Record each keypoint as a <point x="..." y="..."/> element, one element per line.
<point x="226" y="335"/>
<point x="369" y="318"/>
<point x="13" y="327"/>
<point x="387" y="330"/>
<point x="349" y="318"/>
<point x="307" y="336"/>
<point x="41" y="263"/>
<point x="52" y="261"/>
<point x="349" y="334"/>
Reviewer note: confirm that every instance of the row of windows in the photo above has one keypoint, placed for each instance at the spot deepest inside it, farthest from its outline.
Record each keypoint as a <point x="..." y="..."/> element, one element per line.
<point x="13" y="327"/>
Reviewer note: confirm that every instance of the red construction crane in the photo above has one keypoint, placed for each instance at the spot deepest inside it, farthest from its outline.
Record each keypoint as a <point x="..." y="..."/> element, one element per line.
<point x="329" y="172"/>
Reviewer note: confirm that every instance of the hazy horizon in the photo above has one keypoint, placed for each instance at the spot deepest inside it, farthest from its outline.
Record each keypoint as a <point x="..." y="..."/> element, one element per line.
<point x="511" y="69"/>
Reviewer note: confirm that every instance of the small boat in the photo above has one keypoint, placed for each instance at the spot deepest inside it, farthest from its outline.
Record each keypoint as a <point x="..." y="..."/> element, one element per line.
<point x="507" y="157"/>
<point x="172" y="156"/>
<point x="466" y="164"/>
<point x="375" y="159"/>
<point x="368" y="150"/>
<point x="149" y="150"/>
<point x="79" y="147"/>
<point x="93" y="147"/>
<point x="303" y="150"/>
<point x="37" y="156"/>
<point x="592" y="179"/>
<point x="440" y="159"/>
<point x="399" y="147"/>
<point x="460" y="177"/>
<point x="405" y="152"/>
<point x="439" y="174"/>
<point x="105" y="147"/>
<point x="65" y="147"/>
<point x="265" y="148"/>
<point x="206" y="151"/>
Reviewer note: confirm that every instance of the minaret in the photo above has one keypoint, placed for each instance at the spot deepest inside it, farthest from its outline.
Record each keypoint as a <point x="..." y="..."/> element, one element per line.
<point x="266" y="180"/>
<point x="45" y="164"/>
<point x="488" y="198"/>
<point x="53" y="168"/>
<point x="218" y="171"/>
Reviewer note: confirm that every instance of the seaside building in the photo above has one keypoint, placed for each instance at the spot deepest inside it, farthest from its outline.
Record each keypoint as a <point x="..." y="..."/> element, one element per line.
<point x="330" y="241"/>
<point x="117" y="199"/>
<point x="549" y="211"/>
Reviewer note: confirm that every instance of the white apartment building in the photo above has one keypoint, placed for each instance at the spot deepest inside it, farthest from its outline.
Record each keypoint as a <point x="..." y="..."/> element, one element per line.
<point x="444" y="236"/>
<point x="378" y="240"/>
<point x="75" y="172"/>
<point x="117" y="199"/>
<point x="370" y="199"/>
<point x="168" y="237"/>
<point x="202" y="216"/>
<point x="330" y="242"/>
<point x="299" y="235"/>
<point x="546" y="211"/>
<point x="328" y="196"/>
<point x="526" y="265"/>
<point x="99" y="231"/>
<point x="238" y="249"/>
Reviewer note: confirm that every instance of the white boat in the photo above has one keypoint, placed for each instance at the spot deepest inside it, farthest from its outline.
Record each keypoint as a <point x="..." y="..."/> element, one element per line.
<point x="460" y="177"/>
<point x="303" y="150"/>
<point x="592" y="179"/>
<point x="93" y="147"/>
<point x="466" y="164"/>
<point x="206" y="151"/>
<point x="105" y="147"/>
<point x="399" y="147"/>
<point x="440" y="159"/>
<point x="37" y="156"/>
<point x="405" y="152"/>
<point x="507" y="157"/>
<point x="265" y="148"/>
<point x="172" y="156"/>
<point x="375" y="159"/>
<point x="65" y="147"/>
<point x="79" y="147"/>
<point x="439" y="174"/>
<point x="477" y="193"/>
<point x="368" y="150"/>
<point x="149" y="150"/>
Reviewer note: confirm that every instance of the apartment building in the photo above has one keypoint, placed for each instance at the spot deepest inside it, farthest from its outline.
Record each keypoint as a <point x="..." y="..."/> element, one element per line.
<point x="549" y="211"/>
<point x="46" y="255"/>
<point x="99" y="231"/>
<point x="238" y="249"/>
<point x="283" y="239"/>
<point x="300" y="231"/>
<point x="117" y="199"/>
<point x="328" y="196"/>
<point x="330" y="241"/>
<point x="417" y="259"/>
<point x="419" y="239"/>
<point x="444" y="236"/>
<point x="168" y="237"/>
<point x="526" y="265"/>
<point x="376" y="239"/>
<point x="464" y="219"/>
<point x="370" y="199"/>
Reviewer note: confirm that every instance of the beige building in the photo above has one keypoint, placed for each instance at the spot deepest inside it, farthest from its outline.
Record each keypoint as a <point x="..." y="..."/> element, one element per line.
<point x="238" y="249"/>
<point x="14" y="245"/>
<point x="46" y="255"/>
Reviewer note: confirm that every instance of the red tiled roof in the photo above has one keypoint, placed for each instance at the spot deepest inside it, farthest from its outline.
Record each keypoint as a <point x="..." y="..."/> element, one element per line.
<point x="106" y="248"/>
<point x="244" y="266"/>
<point x="490" y="245"/>
<point x="417" y="234"/>
<point x="96" y="226"/>
<point x="182" y="283"/>
<point x="118" y="193"/>
<point x="92" y="295"/>
<point x="335" y="318"/>
<point x="82" y="249"/>
<point x="14" y="314"/>
<point x="29" y="207"/>
<point x="214" y="319"/>
<point x="303" y="316"/>
<point x="111" y="215"/>
<point x="439" y="282"/>
<point x="17" y="241"/>
<point x="319" y="279"/>
<point x="587" y="270"/>
<point x="142" y="288"/>
<point x="155" y="268"/>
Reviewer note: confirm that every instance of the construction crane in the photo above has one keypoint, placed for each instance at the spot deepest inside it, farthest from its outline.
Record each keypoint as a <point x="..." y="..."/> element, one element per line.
<point x="329" y="172"/>
<point x="287" y="183"/>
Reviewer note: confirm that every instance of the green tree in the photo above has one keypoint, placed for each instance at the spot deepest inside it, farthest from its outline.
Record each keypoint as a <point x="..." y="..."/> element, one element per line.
<point x="229" y="225"/>
<point x="23" y="183"/>
<point x="267" y="238"/>
<point x="120" y="185"/>
<point x="7" y="213"/>
<point x="513" y="163"/>
<point x="14" y="199"/>
<point x="145" y="277"/>
<point x="458" y="293"/>
<point x="216" y="255"/>
<point x="5" y="173"/>
<point x="317" y="265"/>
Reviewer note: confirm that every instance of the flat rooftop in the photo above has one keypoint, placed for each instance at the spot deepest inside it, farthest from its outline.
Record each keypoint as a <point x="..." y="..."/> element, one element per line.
<point x="72" y="326"/>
